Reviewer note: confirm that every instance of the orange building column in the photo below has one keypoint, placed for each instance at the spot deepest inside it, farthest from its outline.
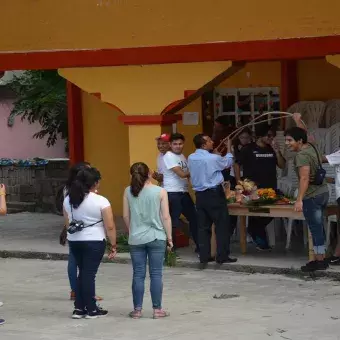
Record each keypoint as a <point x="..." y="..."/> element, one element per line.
<point x="75" y="124"/>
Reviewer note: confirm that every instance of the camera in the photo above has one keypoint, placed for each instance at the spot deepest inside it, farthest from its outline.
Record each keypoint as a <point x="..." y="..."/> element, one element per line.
<point x="75" y="226"/>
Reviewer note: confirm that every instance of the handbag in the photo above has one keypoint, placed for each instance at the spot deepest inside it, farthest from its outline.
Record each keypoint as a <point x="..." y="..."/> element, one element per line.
<point x="320" y="172"/>
<point x="63" y="237"/>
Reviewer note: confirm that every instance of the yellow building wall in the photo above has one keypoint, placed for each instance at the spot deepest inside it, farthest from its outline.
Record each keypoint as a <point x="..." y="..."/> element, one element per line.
<point x="144" y="89"/>
<point x="255" y="75"/>
<point x="318" y="80"/>
<point x="143" y="146"/>
<point x="189" y="131"/>
<point x="27" y="25"/>
<point x="106" y="146"/>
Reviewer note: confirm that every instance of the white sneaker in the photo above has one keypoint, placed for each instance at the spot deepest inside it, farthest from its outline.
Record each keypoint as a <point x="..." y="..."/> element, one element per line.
<point x="1" y="304"/>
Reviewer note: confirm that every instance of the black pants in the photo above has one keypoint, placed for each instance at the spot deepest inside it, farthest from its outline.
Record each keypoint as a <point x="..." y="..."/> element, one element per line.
<point x="233" y="219"/>
<point x="257" y="229"/>
<point x="212" y="208"/>
<point x="88" y="255"/>
<point x="181" y="203"/>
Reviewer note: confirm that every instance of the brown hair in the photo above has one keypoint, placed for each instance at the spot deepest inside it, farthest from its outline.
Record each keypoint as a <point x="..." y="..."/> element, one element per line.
<point x="139" y="175"/>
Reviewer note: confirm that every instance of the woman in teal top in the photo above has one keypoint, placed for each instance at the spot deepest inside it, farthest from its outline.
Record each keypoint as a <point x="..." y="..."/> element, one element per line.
<point x="146" y="215"/>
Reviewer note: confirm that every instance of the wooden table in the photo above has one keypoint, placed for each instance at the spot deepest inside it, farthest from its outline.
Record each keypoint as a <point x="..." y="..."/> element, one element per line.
<point x="281" y="211"/>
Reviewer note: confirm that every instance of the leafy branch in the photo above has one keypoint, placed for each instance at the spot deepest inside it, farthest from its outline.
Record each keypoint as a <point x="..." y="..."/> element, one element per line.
<point x="41" y="97"/>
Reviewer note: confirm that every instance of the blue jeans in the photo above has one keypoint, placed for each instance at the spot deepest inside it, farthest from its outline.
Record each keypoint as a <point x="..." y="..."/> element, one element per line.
<point x="181" y="203"/>
<point x="313" y="210"/>
<point x="153" y="251"/>
<point x="72" y="271"/>
<point x="88" y="255"/>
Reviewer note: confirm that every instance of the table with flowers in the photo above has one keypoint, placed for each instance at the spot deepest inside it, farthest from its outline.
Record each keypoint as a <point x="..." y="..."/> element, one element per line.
<point x="247" y="200"/>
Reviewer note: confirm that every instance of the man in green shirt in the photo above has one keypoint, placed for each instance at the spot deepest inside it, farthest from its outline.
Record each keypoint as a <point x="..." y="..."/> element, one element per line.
<point x="312" y="197"/>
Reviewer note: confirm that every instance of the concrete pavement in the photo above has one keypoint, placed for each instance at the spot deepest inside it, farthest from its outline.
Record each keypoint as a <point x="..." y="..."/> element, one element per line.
<point x="33" y="235"/>
<point x="256" y="307"/>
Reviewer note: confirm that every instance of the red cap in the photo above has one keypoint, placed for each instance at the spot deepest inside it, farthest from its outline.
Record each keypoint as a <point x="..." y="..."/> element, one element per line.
<point x="164" y="137"/>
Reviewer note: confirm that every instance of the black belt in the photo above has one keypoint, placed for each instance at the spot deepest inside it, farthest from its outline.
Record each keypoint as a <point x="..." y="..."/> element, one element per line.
<point x="217" y="188"/>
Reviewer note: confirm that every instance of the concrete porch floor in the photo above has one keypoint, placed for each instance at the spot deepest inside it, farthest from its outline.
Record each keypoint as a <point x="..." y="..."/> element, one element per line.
<point x="32" y="235"/>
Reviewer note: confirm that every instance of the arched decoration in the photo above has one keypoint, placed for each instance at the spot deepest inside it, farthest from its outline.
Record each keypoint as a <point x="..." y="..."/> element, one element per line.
<point x="99" y="96"/>
<point x="145" y="89"/>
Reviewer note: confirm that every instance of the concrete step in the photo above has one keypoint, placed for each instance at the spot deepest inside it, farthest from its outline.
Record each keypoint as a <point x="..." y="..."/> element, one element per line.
<point x="16" y="207"/>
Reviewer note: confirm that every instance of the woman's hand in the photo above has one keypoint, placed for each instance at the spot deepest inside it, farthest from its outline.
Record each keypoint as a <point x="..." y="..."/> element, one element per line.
<point x="170" y="245"/>
<point x="113" y="252"/>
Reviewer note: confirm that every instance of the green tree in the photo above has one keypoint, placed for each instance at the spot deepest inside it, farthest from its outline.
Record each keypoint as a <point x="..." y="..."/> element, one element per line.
<point x="41" y="97"/>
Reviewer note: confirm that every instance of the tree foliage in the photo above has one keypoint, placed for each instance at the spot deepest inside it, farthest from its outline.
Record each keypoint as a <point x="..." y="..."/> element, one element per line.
<point x="41" y="97"/>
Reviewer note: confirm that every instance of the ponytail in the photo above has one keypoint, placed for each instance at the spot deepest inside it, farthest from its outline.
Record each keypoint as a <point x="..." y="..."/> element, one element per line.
<point x="139" y="175"/>
<point x="74" y="170"/>
<point x="85" y="180"/>
<point x="77" y="193"/>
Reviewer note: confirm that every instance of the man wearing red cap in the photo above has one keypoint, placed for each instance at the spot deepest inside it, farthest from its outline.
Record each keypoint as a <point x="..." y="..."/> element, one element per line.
<point x="163" y="147"/>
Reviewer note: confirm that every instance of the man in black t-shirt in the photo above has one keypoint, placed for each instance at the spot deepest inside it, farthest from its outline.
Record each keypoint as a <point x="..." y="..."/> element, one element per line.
<point x="259" y="161"/>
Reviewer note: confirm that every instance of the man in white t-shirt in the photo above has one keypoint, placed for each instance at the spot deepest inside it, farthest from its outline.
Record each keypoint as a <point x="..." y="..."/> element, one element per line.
<point x="163" y="147"/>
<point x="334" y="160"/>
<point x="175" y="182"/>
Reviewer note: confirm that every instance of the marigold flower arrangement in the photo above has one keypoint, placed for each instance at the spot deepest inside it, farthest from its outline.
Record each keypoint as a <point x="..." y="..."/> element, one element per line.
<point x="264" y="196"/>
<point x="266" y="193"/>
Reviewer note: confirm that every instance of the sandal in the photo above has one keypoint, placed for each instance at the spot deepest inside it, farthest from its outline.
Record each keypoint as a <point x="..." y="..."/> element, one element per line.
<point x="160" y="313"/>
<point x="135" y="314"/>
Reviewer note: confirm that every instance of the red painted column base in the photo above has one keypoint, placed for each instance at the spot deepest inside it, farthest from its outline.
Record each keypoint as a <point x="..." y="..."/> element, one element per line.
<point x="75" y="124"/>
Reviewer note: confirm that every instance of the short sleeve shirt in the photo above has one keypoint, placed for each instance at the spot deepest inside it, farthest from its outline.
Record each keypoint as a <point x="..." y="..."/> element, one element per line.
<point x="89" y="211"/>
<point x="171" y="181"/>
<point x="160" y="164"/>
<point x="309" y="157"/>
<point x="259" y="165"/>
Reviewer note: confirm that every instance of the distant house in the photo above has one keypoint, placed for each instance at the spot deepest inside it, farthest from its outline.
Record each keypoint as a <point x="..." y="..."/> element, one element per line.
<point x="16" y="136"/>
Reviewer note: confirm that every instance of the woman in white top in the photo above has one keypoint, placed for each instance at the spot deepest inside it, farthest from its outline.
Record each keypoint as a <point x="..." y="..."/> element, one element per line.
<point x="87" y="215"/>
<point x="72" y="269"/>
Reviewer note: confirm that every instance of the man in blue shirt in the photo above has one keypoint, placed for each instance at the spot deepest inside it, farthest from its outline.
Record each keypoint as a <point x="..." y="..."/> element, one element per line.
<point x="206" y="177"/>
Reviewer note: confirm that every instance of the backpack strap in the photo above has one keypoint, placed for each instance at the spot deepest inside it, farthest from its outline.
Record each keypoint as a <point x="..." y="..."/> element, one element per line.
<point x="317" y="154"/>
